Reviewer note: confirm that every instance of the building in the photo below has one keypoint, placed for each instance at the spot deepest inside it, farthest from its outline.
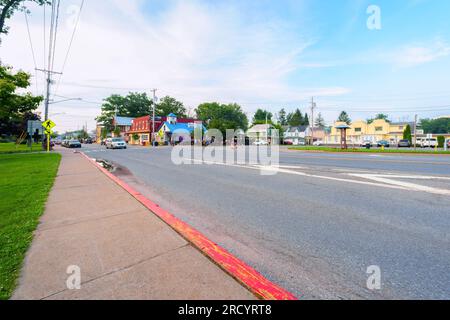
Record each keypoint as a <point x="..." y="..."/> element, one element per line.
<point x="261" y="132"/>
<point x="171" y="130"/>
<point x="98" y="132"/>
<point x="141" y="130"/>
<point x="123" y="124"/>
<point x="296" y="135"/>
<point x="303" y="135"/>
<point x="378" y="130"/>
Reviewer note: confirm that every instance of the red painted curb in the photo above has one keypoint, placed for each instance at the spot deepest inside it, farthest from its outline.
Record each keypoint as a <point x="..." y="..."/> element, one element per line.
<point x="239" y="270"/>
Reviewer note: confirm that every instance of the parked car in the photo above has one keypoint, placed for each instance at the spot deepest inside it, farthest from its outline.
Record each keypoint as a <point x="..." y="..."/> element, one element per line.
<point x="404" y="144"/>
<point x="366" y="143"/>
<point x="115" y="143"/>
<point x="318" y="143"/>
<point x="428" y="143"/>
<point x="260" y="143"/>
<point x="383" y="143"/>
<point x="73" y="144"/>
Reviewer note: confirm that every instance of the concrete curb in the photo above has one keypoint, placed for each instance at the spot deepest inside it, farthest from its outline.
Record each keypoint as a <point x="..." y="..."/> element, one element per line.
<point x="243" y="273"/>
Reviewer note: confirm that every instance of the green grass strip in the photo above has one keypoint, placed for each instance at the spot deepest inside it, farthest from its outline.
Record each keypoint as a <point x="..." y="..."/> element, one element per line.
<point x="25" y="182"/>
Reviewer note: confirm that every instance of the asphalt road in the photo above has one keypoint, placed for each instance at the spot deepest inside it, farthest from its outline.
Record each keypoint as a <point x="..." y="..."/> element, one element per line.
<point x="320" y="222"/>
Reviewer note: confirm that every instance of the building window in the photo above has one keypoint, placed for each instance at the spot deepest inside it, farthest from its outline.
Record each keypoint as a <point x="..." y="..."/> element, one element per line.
<point x="358" y="129"/>
<point x="378" y="128"/>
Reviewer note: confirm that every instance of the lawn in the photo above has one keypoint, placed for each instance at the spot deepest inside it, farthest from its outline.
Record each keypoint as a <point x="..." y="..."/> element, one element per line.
<point x="362" y="150"/>
<point x="25" y="181"/>
<point x="11" y="147"/>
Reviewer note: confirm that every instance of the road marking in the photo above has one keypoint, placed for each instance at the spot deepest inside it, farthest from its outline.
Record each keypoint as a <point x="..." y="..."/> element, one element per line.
<point x="362" y="159"/>
<point x="286" y="171"/>
<point x="410" y="186"/>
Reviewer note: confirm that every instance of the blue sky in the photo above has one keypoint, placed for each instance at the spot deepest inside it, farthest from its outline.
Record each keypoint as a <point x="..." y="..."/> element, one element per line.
<point x="259" y="53"/>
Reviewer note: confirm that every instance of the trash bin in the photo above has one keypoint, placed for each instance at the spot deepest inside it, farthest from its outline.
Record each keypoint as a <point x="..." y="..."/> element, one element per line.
<point x="368" y="146"/>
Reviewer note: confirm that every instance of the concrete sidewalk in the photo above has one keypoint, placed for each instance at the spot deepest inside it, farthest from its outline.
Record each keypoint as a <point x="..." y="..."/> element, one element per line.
<point x="122" y="249"/>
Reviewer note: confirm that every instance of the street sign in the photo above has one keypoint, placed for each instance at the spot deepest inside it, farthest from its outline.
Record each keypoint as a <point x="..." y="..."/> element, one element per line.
<point x="33" y="126"/>
<point x="49" y="124"/>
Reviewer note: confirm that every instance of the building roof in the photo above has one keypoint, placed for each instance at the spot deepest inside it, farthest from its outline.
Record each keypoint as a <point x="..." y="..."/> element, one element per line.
<point x="299" y="129"/>
<point x="123" y="121"/>
<point x="343" y="126"/>
<point x="260" y="127"/>
<point x="181" y="126"/>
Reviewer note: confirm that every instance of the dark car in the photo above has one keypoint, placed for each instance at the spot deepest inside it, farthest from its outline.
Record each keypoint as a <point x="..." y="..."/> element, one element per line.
<point x="383" y="143"/>
<point x="404" y="144"/>
<point x="74" y="144"/>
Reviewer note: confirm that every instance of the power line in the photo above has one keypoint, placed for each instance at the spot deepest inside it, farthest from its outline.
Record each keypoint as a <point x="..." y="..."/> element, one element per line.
<point x="45" y="30"/>
<point x="32" y="52"/>
<point x="56" y="33"/>
<point x="70" y="45"/>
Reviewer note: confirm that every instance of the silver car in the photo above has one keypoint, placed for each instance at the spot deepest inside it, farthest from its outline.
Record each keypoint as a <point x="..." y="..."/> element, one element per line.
<point x="115" y="143"/>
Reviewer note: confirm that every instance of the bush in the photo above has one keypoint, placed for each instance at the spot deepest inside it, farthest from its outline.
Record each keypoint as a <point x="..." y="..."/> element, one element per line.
<point x="441" y="141"/>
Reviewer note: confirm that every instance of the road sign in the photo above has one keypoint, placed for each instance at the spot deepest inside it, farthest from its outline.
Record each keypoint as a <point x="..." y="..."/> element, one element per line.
<point x="33" y="126"/>
<point x="48" y="132"/>
<point x="49" y="124"/>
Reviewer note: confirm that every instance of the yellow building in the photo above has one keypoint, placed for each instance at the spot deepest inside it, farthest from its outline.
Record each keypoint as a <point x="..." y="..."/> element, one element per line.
<point x="361" y="131"/>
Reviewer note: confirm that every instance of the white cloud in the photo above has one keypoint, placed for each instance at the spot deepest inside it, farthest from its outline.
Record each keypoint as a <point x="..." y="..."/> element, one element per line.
<point x="414" y="55"/>
<point x="194" y="51"/>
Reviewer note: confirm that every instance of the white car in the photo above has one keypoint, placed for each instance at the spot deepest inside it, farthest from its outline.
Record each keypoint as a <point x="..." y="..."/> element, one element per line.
<point x="260" y="143"/>
<point x="429" y="143"/>
<point x="115" y="143"/>
<point x="318" y="143"/>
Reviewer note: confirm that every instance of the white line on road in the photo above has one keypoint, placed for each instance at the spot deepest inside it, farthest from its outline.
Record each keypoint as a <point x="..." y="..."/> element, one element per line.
<point x="410" y="186"/>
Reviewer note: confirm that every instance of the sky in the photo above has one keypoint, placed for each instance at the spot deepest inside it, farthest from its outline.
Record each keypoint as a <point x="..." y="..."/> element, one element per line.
<point x="259" y="54"/>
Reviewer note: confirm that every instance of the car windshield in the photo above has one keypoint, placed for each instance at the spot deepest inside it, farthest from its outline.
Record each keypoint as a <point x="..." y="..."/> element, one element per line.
<point x="74" y="141"/>
<point x="117" y="140"/>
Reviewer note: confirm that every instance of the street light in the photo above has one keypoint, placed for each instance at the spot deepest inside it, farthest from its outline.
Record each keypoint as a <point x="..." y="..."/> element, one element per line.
<point x="69" y="99"/>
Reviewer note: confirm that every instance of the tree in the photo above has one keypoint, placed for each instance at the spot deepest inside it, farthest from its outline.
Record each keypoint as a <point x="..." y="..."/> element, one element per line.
<point x="380" y="116"/>
<point x="437" y="126"/>
<point x="169" y="105"/>
<point x="306" y="120"/>
<point x="262" y="115"/>
<point x="282" y="120"/>
<point x="222" y="116"/>
<point x="133" y="105"/>
<point x="407" y="133"/>
<point x="441" y="141"/>
<point x="343" y="117"/>
<point x="295" y="119"/>
<point x="16" y="109"/>
<point x="8" y="7"/>
<point x="320" y="121"/>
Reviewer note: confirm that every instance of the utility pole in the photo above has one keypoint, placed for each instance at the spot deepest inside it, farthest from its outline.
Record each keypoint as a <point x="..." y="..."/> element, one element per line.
<point x="153" y="116"/>
<point x="313" y="106"/>
<point x="47" y="94"/>
<point x="415" y="132"/>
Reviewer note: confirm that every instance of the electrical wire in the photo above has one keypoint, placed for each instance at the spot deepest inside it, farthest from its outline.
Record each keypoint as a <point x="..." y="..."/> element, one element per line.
<point x="70" y="46"/>
<point x="32" y="52"/>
